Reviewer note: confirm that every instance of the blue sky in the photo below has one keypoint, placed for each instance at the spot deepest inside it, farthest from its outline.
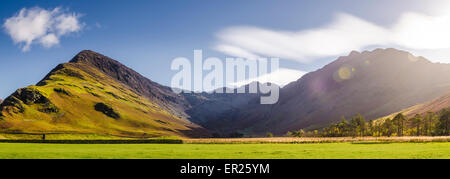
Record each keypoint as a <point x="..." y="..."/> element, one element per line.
<point x="146" y="35"/>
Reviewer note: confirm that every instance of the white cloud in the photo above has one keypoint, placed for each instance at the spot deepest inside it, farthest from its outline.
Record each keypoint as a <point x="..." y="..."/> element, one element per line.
<point x="67" y="23"/>
<point x="236" y="51"/>
<point x="37" y="25"/>
<point x="281" y="77"/>
<point x="418" y="31"/>
<point x="49" y="40"/>
<point x="413" y="31"/>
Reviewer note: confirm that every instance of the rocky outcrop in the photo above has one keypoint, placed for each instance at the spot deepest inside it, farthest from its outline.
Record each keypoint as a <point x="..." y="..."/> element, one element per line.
<point x="62" y="91"/>
<point x="107" y="110"/>
<point x="28" y="96"/>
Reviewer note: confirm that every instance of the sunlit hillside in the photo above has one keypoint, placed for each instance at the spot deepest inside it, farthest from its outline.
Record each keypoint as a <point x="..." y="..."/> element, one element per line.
<point x="78" y="97"/>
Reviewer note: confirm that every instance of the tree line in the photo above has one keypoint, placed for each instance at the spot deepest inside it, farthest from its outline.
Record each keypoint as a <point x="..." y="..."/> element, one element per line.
<point x="430" y="124"/>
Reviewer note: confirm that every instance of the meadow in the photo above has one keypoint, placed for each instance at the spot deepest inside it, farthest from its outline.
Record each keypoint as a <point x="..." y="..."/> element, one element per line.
<point x="344" y="150"/>
<point x="306" y="140"/>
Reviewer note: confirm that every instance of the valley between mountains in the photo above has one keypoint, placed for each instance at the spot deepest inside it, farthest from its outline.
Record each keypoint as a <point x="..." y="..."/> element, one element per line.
<point x="94" y="94"/>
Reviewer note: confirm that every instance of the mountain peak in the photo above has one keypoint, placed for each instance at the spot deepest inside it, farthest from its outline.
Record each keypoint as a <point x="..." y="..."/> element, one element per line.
<point x="89" y="56"/>
<point x="383" y="55"/>
<point x="379" y="51"/>
<point x="354" y="52"/>
<point x="110" y="67"/>
<point x="373" y="83"/>
<point x="92" y="90"/>
<point x="161" y="94"/>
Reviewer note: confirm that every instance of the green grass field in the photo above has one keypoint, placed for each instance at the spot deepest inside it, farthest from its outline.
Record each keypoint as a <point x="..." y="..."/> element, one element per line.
<point x="227" y="151"/>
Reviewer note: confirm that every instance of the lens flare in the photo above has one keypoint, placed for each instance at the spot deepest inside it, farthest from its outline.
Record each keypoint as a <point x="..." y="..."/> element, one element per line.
<point x="344" y="73"/>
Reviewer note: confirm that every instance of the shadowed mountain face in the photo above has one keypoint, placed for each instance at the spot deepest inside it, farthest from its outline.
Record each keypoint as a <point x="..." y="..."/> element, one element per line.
<point x="96" y="94"/>
<point x="375" y="84"/>
<point x="219" y="111"/>
<point x="372" y="83"/>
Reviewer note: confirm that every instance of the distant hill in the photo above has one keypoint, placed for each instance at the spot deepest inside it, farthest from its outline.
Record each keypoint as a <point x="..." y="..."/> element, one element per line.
<point x="373" y="83"/>
<point x="96" y="94"/>
<point x="435" y="106"/>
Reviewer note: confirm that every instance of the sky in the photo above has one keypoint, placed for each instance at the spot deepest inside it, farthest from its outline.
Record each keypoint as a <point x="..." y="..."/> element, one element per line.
<point x="147" y="35"/>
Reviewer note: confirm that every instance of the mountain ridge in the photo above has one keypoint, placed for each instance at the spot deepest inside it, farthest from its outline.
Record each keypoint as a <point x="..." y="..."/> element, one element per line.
<point x="373" y="83"/>
<point x="93" y="93"/>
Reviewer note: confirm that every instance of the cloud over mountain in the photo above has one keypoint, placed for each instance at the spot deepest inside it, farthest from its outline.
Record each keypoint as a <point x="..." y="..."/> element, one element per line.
<point x="280" y="77"/>
<point x="412" y="31"/>
<point x="41" y="26"/>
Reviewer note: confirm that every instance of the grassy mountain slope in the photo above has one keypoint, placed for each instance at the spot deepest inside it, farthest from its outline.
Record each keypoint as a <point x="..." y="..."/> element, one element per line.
<point x="95" y="94"/>
<point x="435" y="106"/>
